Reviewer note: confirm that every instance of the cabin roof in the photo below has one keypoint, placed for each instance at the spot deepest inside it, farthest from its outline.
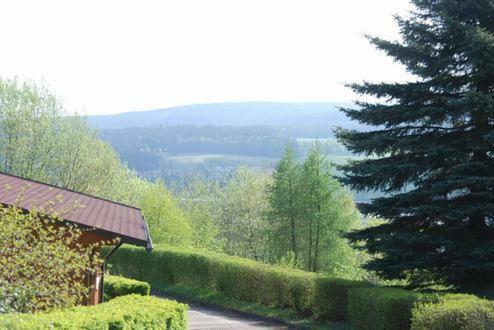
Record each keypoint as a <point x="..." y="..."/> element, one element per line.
<point x="107" y="218"/>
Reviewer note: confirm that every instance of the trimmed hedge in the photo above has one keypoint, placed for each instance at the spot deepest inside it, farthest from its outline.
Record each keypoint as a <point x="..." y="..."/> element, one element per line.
<point x="383" y="308"/>
<point x="115" y="286"/>
<point x="308" y="294"/>
<point x="127" y="312"/>
<point x="454" y="312"/>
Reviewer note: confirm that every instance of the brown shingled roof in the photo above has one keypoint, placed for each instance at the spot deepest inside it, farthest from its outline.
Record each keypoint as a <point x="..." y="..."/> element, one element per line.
<point x="108" y="218"/>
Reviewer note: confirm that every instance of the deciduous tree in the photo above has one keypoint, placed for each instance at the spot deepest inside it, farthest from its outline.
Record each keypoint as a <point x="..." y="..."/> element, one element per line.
<point x="284" y="200"/>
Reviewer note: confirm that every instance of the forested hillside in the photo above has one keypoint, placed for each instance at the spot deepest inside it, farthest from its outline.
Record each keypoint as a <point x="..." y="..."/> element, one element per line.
<point x="176" y="153"/>
<point x="212" y="141"/>
<point x="145" y="148"/>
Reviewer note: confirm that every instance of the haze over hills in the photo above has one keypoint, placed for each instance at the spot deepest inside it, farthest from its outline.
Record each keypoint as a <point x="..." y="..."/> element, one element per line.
<point x="275" y="114"/>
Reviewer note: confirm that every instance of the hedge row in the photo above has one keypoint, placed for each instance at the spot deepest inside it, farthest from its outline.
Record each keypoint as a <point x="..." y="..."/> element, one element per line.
<point x="127" y="312"/>
<point x="306" y="293"/>
<point x="116" y="286"/>
<point x="454" y="312"/>
<point x="365" y="306"/>
<point x="383" y="308"/>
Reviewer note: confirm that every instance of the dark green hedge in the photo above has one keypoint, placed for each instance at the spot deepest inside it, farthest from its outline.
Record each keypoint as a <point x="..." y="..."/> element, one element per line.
<point x="115" y="286"/>
<point x="383" y="308"/>
<point x="306" y="293"/>
<point x="454" y="312"/>
<point x="127" y="312"/>
<point x="393" y="308"/>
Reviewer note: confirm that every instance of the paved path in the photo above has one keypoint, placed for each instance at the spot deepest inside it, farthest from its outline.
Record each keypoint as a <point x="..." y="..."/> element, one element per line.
<point x="201" y="318"/>
<point x="211" y="317"/>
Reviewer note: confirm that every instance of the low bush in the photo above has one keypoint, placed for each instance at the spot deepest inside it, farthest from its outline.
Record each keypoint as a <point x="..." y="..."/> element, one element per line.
<point x="306" y="293"/>
<point x="127" y="312"/>
<point x="383" y="308"/>
<point x="454" y="312"/>
<point x="115" y="286"/>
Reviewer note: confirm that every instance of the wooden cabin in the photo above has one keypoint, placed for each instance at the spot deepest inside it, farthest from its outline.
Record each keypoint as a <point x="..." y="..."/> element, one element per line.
<point x="106" y="220"/>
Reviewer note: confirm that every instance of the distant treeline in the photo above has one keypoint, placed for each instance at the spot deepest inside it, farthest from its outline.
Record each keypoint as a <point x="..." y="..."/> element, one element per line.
<point x="176" y="154"/>
<point x="142" y="146"/>
<point x="149" y="148"/>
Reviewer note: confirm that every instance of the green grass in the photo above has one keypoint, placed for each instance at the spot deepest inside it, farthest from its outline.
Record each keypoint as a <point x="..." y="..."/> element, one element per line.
<point x="212" y="298"/>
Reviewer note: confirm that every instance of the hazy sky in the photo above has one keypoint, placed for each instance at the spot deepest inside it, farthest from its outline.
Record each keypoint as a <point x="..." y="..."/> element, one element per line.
<point x="117" y="56"/>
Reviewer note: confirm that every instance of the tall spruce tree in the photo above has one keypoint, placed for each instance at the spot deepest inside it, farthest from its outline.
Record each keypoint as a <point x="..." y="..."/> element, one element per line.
<point x="433" y="149"/>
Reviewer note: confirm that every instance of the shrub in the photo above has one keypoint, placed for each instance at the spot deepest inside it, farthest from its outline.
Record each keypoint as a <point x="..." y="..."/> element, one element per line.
<point x="127" y="312"/>
<point x="454" y="312"/>
<point x="383" y="308"/>
<point x="308" y="294"/>
<point x="42" y="264"/>
<point x="15" y="299"/>
<point x="115" y="286"/>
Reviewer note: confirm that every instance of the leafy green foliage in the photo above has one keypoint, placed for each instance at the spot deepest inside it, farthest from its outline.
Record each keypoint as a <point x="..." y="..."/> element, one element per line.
<point x="329" y="212"/>
<point x="42" y="263"/>
<point x="232" y="217"/>
<point x="433" y="146"/>
<point x="285" y="209"/>
<point x="127" y="312"/>
<point x="308" y="294"/>
<point x="166" y="222"/>
<point x="115" y="286"/>
<point x="383" y="308"/>
<point x="309" y="211"/>
<point x="39" y="140"/>
<point x="267" y="218"/>
<point x="16" y="299"/>
<point x="198" y="203"/>
<point x="243" y="214"/>
<point x="454" y="312"/>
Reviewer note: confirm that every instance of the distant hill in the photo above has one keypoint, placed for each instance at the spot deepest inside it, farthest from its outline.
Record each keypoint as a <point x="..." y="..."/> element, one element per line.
<point x="289" y="115"/>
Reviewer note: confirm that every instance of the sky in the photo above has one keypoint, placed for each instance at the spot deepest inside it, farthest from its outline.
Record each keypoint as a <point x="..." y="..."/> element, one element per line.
<point x="102" y="57"/>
